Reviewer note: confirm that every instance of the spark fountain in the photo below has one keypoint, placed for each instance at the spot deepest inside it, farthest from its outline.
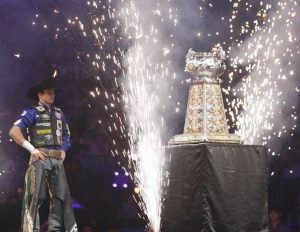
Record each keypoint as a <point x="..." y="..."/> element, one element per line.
<point x="141" y="106"/>
<point x="146" y="151"/>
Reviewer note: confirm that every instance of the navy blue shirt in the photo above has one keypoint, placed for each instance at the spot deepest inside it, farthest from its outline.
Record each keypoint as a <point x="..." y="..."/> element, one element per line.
<point x="28" y="118"/>
<point x="280" y="228"/>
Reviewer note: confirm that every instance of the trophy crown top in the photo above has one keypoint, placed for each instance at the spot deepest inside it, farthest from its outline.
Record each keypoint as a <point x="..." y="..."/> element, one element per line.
<point x="217" y="52"/>
<point x="208" y="64"/>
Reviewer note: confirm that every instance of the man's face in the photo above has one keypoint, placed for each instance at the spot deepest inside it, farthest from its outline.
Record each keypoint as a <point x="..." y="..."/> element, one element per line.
<point x="47" y="96"/>
<point x="274" y="216"/>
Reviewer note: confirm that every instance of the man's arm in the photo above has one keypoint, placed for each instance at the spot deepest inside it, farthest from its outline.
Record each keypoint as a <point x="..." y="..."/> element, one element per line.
<point x="16" y="134"/>
<point x="65" y="137"/>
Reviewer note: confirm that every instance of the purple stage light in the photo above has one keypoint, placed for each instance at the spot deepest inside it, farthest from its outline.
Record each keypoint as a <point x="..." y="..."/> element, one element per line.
<point x="116" y="173"/>
<point x="114" y="185"/>
<point x="77" y="205"/>
<point x="125" y="185"/>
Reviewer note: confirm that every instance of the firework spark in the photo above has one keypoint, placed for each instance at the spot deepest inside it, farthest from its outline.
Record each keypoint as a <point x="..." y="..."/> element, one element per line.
<point x="266" y="59"/>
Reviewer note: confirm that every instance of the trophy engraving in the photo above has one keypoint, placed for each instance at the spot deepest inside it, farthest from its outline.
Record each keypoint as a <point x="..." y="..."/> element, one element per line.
<point x="205" y="119"/>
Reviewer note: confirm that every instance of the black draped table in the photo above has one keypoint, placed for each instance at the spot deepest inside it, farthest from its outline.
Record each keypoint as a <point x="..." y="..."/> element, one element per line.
<point x="215" y="188"/>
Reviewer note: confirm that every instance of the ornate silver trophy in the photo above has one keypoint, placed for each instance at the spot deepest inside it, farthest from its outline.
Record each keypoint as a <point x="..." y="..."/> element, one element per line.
<point x="205" y="119"/>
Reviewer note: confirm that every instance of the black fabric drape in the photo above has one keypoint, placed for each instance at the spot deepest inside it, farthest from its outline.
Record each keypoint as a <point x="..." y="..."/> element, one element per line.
<point x="216" y="188"/>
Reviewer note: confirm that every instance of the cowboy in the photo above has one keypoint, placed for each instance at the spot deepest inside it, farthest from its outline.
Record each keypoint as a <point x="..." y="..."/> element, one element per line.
<point x="48" y="140"/>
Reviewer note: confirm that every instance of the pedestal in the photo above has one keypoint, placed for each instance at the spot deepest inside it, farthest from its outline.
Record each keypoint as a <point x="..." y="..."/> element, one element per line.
<point x="216" y="188"/>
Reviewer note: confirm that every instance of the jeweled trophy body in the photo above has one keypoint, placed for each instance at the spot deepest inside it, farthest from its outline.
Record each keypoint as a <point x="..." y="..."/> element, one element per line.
<point x="205" y="119"/>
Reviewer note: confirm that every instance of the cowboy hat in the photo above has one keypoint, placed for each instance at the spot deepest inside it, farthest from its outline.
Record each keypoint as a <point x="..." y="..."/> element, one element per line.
<point x="32" y="93"/>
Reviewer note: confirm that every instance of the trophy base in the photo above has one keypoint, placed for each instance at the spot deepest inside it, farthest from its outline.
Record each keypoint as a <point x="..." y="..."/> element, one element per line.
<point x="202" y="138"/>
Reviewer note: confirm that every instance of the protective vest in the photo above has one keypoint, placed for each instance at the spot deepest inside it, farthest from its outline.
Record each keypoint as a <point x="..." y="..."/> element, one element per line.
<point x="47" y="130"/>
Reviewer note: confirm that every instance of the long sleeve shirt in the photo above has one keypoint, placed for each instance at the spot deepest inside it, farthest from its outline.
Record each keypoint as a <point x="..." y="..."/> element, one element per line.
<point x="28" y="119"/>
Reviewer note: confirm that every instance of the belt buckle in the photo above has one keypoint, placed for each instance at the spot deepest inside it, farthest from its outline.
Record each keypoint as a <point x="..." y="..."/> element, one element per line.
<point x="52" y="153"/>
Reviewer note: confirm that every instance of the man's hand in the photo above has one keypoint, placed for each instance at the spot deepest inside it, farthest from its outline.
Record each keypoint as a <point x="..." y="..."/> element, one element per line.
<point x="38" y="155"/>
<point x="62" y="155"/>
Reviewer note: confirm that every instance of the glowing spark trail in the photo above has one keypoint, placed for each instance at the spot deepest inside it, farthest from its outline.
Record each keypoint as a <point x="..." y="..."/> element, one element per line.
<point x="142" y="104"/>
<point x="267" y="59"/>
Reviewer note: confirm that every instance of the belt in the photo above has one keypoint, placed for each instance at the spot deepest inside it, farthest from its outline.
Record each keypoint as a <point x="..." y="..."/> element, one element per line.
<point x="50" y="152"/>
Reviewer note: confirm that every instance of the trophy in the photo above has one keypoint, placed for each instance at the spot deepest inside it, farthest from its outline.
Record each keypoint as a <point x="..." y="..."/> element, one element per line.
<point x="205" y="120"/>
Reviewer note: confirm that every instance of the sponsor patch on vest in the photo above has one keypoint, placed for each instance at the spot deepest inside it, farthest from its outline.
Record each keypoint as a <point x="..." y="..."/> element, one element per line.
<point x="58" y="115"/>
<point x="48" y="137"/>
<point x="59" y="124"/>
<point x="44" y="124"/>
<point x="40" y="108"/>
<point x="58" y="133"/>
<point x="57" y="109"/>
<point x="39" y="143"/>
<point x="43" y="131"/>
<point x="45" y="116"/>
